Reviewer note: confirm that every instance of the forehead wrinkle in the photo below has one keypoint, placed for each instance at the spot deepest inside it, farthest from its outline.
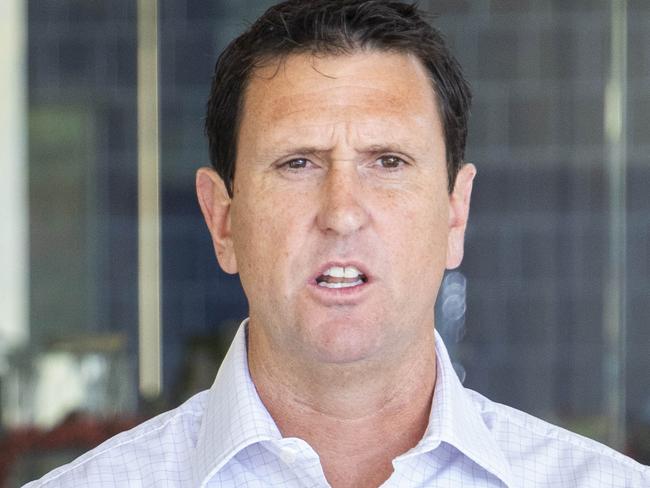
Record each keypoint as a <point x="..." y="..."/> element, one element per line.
<point x="355" y="124"/>
<point x="279" y="106"/>
<point x="340" y="140"/>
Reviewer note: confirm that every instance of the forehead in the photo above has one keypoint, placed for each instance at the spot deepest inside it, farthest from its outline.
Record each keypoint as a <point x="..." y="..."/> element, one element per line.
<point x="368" y="90"/>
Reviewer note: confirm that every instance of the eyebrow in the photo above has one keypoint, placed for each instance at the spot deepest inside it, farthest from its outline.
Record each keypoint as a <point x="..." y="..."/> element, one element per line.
<point x="321" y="150"/>
<point x="387" y="147"/>
<point x="303" y="150"/>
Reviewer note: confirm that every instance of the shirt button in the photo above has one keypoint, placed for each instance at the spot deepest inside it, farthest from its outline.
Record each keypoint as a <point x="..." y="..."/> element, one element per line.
<point x="288" y="455"/>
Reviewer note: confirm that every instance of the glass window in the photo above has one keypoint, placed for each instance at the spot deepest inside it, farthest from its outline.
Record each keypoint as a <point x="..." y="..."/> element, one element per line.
<point x="548" y="312"/>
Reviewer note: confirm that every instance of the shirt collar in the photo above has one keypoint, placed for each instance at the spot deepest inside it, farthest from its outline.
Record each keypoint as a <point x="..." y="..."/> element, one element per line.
<point x="235" y="418"/>
<point x="455" y="419"/>
<point x="234" y="415"/>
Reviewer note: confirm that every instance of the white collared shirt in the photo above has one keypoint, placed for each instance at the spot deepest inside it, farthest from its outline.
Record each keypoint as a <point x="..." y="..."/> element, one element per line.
<point x="225" y="437"/>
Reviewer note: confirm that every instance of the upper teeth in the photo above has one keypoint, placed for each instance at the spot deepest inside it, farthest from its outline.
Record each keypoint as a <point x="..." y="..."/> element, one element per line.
<point x="340" y="272"/>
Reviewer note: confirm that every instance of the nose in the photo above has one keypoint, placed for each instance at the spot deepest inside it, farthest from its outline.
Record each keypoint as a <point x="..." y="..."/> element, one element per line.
<point x="342" y="210"/>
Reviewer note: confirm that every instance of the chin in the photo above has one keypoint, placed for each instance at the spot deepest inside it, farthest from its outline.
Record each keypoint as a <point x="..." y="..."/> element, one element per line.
<point x="343" y="341"/>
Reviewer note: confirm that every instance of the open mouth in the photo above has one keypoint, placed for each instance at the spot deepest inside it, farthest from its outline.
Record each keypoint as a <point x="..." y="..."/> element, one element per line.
<point x="341" y="277"/>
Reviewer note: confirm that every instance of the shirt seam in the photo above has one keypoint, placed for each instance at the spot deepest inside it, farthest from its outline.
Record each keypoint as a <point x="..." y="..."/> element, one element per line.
<point x="74" y="466"/>
<point x="554" y="432"/>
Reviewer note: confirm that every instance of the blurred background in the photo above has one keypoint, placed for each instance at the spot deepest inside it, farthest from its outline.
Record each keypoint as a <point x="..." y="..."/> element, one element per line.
<point x="113" y="308"/>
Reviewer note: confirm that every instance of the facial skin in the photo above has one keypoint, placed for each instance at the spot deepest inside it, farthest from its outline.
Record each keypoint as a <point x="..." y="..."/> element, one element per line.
<point x="341" y="161"/>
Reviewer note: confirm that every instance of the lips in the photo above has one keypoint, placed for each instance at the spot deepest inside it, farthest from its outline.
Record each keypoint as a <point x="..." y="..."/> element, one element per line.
<point x="341" y="276"/>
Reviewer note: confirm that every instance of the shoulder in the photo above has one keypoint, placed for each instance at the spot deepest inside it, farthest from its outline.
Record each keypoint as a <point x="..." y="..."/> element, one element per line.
<point x="539" y="450"/>
<point x="158" y="449"/>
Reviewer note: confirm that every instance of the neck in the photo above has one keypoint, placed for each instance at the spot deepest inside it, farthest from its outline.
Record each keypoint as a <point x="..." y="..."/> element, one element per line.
<point x="358" y="417"/>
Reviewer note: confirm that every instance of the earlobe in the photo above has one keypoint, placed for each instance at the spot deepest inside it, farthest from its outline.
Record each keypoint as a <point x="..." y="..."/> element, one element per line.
<point x="215" y="205"/>
<point x="459" y="203"/>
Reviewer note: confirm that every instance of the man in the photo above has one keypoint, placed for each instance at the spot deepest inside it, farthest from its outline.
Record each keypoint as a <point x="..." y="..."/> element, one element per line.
<point x="339" y="194"/>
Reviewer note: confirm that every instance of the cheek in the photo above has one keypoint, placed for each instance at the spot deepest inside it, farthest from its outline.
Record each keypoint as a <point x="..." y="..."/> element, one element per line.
<point x="424" y="208"/>
<point x="249" y="224"/>
<point x="265" y="235"/>
<point x="416" y="229"/>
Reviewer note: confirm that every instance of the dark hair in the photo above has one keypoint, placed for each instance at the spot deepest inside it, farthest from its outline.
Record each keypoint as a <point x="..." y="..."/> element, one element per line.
<point x="333" y="27"/>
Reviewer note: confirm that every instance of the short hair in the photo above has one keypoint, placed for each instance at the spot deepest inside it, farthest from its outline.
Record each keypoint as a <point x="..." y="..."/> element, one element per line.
<point x="336" y="27"/>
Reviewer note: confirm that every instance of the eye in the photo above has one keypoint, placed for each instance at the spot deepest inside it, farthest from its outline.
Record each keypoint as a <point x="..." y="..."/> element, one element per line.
<point x="390" y="162"/>
<point x="298" y="163"/>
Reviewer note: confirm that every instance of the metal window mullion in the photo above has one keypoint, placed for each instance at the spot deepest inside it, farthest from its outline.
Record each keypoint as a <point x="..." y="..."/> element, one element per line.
<point x="149" y="274"/>
<point x="14" y="200"/>
<point x="614" y="328"/>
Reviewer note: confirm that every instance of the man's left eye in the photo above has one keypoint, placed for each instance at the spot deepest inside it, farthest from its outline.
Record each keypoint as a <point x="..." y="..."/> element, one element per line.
<point x="298" y="163"/>
<point x="390" y="162"/>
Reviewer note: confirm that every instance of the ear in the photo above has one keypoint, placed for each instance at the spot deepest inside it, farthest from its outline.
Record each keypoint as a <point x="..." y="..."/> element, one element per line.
<point x="215" y="205"/>
<point x="458" y="214"/>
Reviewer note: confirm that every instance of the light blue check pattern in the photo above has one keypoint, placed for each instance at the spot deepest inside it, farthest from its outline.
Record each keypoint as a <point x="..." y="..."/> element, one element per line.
<point x="225" y="437"/>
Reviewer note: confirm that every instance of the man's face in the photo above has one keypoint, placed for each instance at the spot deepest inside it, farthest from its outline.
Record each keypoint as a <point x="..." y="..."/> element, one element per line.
<point x="340" y="171"/>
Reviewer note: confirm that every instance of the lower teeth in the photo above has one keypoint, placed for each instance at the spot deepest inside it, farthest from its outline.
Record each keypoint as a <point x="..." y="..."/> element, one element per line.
<point x="339" y="285"/>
